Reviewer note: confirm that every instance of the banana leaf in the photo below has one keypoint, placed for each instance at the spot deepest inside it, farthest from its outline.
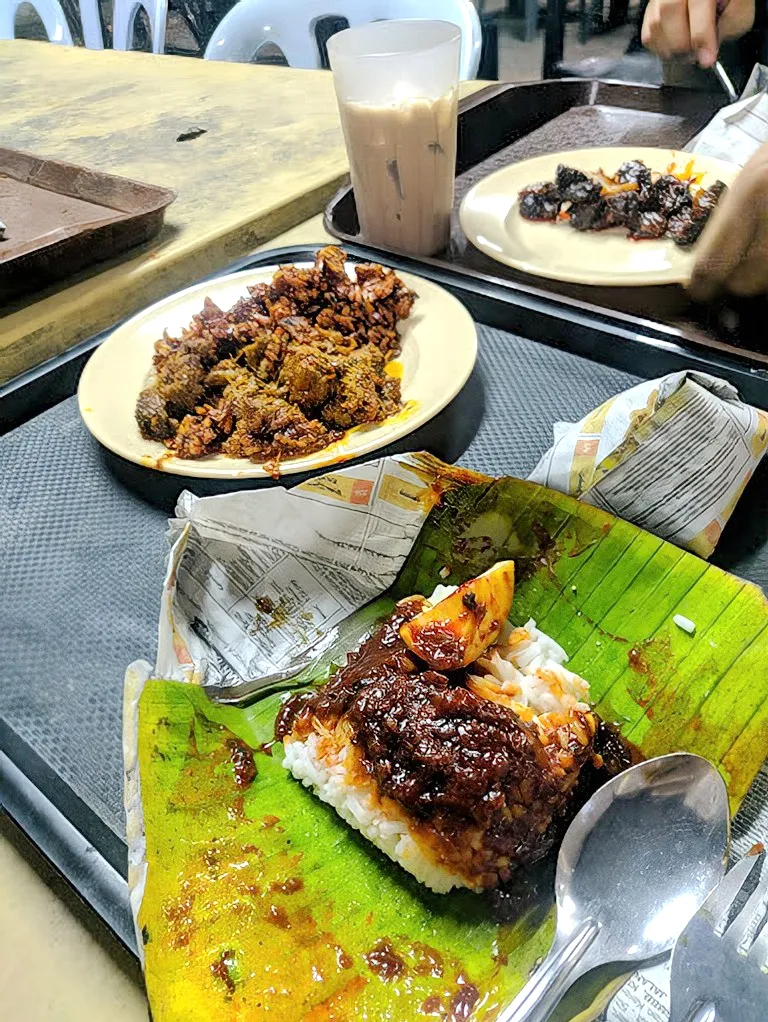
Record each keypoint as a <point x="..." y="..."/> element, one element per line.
<point x="260" y="903"/>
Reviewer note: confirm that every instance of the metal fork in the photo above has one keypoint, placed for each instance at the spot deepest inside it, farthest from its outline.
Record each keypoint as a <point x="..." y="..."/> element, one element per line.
<point x="347" y="635"/>
<point x="719" y="969"/>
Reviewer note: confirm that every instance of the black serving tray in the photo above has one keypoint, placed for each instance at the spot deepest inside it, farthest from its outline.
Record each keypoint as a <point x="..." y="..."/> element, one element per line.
<point x="508" y="123"/>
<point x="92" y="603"/>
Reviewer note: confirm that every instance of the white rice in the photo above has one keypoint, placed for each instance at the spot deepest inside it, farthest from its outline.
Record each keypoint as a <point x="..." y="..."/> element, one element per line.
<point x="526" y="665"/>
<point x="360" y="807"/>
<point x="685" y="623"/>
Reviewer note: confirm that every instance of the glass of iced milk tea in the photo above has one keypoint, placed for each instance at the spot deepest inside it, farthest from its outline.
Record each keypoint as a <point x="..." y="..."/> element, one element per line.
<point x="397" y="88"/>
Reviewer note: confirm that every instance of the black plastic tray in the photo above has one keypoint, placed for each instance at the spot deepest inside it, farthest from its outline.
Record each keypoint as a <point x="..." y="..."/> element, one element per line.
<point x="82" y="842"/>
<point x="504" y="124"/>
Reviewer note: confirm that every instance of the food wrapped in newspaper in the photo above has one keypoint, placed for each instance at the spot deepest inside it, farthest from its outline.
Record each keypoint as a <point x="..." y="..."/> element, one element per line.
<point x="267" y="882"/>
<point x="737" y="131"/>
<point x="671" y="455"/>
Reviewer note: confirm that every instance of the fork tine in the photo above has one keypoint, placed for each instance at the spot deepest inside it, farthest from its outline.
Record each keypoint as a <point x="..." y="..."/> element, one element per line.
<point x="741" y="933"/>
<point x="759" y="950"/>
<point x="721" y="901"/>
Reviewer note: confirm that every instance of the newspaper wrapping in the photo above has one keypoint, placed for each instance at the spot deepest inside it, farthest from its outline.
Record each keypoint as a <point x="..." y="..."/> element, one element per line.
<point x="672" y="455"/>
<point x="737" y="131"/>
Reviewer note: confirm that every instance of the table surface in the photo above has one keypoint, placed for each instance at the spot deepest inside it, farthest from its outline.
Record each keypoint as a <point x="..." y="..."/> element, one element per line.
<point x="272" y="155"/>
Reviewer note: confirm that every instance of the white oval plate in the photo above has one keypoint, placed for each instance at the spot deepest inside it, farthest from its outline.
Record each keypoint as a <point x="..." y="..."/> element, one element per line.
<point x="491" y="220"/>
<point x="439" y="348"/>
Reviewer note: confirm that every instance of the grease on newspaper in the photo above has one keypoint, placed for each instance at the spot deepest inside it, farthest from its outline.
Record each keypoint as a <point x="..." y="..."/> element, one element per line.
<point x="672" y="455"/>
<point x="245" y="597"/>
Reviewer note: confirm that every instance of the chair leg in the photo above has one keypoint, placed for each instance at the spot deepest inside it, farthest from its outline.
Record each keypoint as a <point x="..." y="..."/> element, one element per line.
<point x="584" y="22"/>
<point x="554" y="34"/>
<point x="488" y="69"/>
<point x="90" y="18"/>
<point x="158" y="20"/>
<point x="51" y="14"/>
<point x="123" y="17"/>
<point x="597" y="21"/>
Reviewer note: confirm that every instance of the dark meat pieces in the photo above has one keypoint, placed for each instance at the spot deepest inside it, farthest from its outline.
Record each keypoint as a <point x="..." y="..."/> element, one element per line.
<point x="685" y="228"/>
<point x="180" y="381"/>
<point x="330" y="262"/>
<point x="213" y="321"/>
<point x="574" y="186"/>
<point x="668" y="196"/>
<point x="591" y="216"/>
<point x="252" y="354"/>
<point x="686" y="225"/>
<point x="285" y="370"/>
<point x="635" y="172"/>
<point x="309" y="377"/>
<point x="356" y="399"/>
<point x="708" y="198"/>
<point x="540" y="202"/>
<point x="152" y="416"/>
<point x="648" y="225"/>
<point x="274" y="351"/>
<point x="201" y="433"/>
<point x="274" y="428"/>
<point x="624" y="208"/>
<point x="647" y="205"/>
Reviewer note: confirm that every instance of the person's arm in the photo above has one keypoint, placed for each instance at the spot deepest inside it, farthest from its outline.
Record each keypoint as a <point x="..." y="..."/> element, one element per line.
<point x="675" y="27"/>
<point x="732" y="254"/>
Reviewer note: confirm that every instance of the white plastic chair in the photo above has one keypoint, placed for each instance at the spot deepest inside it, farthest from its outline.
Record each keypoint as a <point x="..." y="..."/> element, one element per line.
<point x="91" y="22"/>
<point x="51" y="14"/>
<point x="123" y="16"/>
<point x="291" y="26"/>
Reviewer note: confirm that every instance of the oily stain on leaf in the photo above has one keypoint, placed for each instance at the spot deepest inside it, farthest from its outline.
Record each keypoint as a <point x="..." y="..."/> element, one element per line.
<point x="269" y="903"/>
<point x="261" y="901"/>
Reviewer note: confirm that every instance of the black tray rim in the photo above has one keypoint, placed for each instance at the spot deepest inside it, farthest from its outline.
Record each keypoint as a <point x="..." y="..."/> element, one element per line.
<point x="38" y="799"/>
<point x="57" y="834"/>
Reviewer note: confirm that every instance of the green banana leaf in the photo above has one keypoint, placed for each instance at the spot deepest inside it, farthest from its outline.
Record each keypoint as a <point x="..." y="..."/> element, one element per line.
<point x="261" y="904"/>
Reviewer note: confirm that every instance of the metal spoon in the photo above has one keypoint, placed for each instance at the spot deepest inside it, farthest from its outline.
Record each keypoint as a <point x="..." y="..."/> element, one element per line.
<point x="634" y="867"/>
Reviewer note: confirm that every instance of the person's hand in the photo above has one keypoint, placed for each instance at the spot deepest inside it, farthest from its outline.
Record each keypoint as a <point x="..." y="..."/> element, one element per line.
<point x="732" y="254"/>
<point x="675" y="27"/>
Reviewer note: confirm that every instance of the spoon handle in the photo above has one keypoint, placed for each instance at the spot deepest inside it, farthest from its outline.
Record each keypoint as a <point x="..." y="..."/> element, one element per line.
<point x="543" y="991"/>
<point x="702" y="1013"/>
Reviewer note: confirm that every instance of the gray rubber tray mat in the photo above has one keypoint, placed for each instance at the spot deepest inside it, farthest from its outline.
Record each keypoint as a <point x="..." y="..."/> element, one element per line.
<point x="81" y="557"/>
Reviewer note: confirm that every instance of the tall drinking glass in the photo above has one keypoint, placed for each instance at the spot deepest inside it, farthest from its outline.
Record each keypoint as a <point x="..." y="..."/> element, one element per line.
<point x="397" y="89"/>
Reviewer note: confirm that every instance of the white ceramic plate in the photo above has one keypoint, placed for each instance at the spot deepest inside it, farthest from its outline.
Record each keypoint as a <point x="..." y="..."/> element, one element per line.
<point x="439" y="347"/>
<point x="491" y="220"/>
